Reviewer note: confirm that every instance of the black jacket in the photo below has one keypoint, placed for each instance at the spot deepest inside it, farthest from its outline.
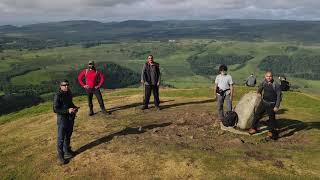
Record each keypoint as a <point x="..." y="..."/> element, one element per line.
<point x="146" y="73"/>
<point x="61" y="103"/>
<point x="271" y="92"/>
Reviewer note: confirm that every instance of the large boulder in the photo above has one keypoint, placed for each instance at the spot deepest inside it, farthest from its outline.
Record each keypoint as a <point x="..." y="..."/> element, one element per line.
<point x="246" y="108"/>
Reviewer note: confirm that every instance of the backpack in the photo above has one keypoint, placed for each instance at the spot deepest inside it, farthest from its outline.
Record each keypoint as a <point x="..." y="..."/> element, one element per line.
<point x="284" y="85"/>
<point x="230" y="119"/>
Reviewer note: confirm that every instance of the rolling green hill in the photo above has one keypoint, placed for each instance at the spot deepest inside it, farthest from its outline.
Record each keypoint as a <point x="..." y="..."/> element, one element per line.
<point x="175" y="58"/>
<point x="34" y="57"/>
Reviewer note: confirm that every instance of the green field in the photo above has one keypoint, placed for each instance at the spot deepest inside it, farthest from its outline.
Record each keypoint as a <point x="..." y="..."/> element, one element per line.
<point x="182" y="141"/>
<point x="172" y="57"/>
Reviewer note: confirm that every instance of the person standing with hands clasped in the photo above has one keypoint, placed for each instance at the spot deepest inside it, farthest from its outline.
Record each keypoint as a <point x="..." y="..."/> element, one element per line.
<point x="66" y="113"/>
<point x="93" y="81"/>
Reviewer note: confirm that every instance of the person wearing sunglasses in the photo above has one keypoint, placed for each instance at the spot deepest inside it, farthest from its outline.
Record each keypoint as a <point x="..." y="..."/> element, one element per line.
<point x="94" y="79"/>
<point x="66" y="112"/>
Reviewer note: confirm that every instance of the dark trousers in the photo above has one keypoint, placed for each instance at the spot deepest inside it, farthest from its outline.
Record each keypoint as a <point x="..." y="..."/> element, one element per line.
<point x="147" y="94"/>
<point x="65" y="129"/>
<point x="97" y="93"/>
<point x="265" y="107"/>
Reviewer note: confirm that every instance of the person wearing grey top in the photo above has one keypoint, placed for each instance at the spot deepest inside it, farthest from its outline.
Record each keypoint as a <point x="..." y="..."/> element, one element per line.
<point x="251" y="81"/>
<point x="150" y="78"/>
<point x="223" y="91"/>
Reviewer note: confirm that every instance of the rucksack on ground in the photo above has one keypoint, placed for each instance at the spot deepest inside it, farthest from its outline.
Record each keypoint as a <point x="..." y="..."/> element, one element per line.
<point x="284" y="85"/>
<point x="230" y="119"/>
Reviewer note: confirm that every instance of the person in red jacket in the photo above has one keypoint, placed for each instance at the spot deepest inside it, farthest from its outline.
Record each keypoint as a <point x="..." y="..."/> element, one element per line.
<point x="93" y="81"/>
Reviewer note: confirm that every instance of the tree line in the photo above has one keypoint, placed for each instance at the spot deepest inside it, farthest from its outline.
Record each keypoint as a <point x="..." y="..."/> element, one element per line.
<point x="207" y="65"/>
<point x="301" y="66"/>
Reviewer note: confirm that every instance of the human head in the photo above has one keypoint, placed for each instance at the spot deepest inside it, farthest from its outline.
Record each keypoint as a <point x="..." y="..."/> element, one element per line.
<point x="91" y="64"/>
<point x="150" y="58"/>
<point x="223" y="69"/>
<point x="64" y="85"/>
<point x="268" y="76"/>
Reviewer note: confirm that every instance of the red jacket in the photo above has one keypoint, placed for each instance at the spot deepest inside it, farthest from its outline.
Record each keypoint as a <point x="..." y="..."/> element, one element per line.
<point x="91" y="78"/>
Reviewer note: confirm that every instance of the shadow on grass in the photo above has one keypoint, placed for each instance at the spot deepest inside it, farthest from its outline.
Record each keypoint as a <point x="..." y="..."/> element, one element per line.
<point x="282" y="111"/>
<point x="126" y="131"/>
<point x="287" y="127"/>
<point x="137" y="104"/>
<point x="186" y="103"/>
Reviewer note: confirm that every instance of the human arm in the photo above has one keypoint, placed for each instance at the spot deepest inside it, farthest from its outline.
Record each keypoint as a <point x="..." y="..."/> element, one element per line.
<point x="101" y="77"/>
<point x="80" y="79"/>
<point x="278" y="92"/>
<point x="142" y="74"/>
<point x="159" y="75"/>
<point x="57" y="106"/>
<point x="231" y="92"/>
<point x="260" y="88"/>
<point x="215" y="91"/>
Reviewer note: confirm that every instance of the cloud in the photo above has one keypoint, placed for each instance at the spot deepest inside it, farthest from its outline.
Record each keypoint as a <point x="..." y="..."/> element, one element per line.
<point x="28" y="11"/>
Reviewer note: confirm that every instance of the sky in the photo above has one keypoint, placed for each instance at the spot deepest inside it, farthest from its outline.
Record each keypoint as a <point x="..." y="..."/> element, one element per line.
<point x="19" y="12"/>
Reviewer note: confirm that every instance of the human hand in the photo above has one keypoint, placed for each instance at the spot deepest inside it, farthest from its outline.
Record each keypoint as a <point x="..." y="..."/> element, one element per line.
<point x="86" y="86"/>
<point x="96" y="87"/>
<point x="275" y="109"/>
<point x="71" y="110"/>
<point x="158" y="84"/>
<point x="142" y="81"/>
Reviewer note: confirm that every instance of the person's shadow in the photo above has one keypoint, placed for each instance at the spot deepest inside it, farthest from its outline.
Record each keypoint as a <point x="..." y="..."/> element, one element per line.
<point x="288" y="127"/>
<point x="137" y="104"/>
<point x="187" y="103"/>
<point x="126" y="131"/>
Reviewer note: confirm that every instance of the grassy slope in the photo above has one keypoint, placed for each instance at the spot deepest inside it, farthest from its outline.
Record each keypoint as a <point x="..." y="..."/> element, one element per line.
<point x="176" y="71"/>
<point x="189" y="146"/>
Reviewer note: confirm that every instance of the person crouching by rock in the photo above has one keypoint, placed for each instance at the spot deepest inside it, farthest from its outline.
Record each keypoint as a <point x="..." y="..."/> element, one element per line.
<point x="66" y="113"/>
<point x="223" y="91"/>
<point x="270" y="104"/>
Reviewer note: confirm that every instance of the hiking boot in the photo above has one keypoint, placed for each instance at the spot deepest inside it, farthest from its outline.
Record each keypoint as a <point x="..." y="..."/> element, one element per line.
<point x="69" y="154"/>
<point x="91" y="113"/>
<point x="61" y="160"/>
<point x="105" y="112"/>
<point x="143" y="107"/>
<point x="273" y="135"/>
<point x="252" y="131"/>
<point x="157" y="108"/>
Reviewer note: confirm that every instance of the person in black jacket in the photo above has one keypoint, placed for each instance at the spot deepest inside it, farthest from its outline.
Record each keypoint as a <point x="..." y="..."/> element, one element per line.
<point x="150" y="78"/>
<point x="66" y="112"/>
<point x="270" y="104"/>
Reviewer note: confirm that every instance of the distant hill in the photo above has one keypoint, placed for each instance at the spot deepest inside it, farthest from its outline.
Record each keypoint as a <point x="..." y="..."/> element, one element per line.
<point x="59" y="33"/>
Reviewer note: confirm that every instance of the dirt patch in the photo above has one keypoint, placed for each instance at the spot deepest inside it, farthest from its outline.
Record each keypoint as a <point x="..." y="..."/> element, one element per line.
<point x="259" y="156"/>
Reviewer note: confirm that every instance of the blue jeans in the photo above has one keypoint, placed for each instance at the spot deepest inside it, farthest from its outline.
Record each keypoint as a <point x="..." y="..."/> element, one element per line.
<point x="65" y="129"/>
<point x="220" y="102"/>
